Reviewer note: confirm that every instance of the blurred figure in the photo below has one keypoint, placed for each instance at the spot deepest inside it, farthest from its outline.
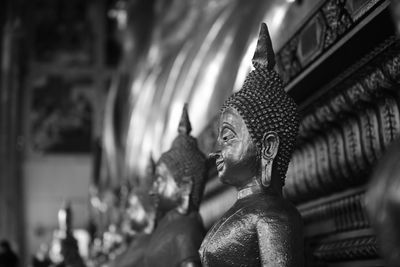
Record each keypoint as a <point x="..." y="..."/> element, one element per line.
<point x="8" y="258"/>
<point x="42" y="258"/>
<point x="383" y="204"/>
<point x="64" y="250"/>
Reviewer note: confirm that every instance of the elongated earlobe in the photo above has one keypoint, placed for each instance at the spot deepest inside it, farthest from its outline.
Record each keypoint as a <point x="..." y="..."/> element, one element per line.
<point x="186" y="190"/>
<point x="268" y="154"/>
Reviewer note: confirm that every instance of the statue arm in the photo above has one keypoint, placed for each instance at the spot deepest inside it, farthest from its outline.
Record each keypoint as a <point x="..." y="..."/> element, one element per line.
<point x="275" y="244"/>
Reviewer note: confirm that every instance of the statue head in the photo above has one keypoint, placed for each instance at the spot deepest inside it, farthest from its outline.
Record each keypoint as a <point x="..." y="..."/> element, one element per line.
<point x="65" y="218"/>
<point x="139" y="214"/>
<point x="258" y="125"/>
<point x="139" y="211"/>
<point x="180" y="172"/>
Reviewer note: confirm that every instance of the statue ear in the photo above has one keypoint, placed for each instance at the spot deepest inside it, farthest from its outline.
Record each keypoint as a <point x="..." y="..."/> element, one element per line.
<point x="270" y="145"/>
<point x="269" y="150"/>
<point x="186" y="186"/>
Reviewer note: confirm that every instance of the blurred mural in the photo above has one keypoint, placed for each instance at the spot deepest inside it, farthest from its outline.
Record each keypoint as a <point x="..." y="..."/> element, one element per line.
<point x="61" y="114"/>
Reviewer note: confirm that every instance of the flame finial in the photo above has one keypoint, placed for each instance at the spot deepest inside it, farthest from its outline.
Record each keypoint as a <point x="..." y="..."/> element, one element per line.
<point x="184" y="125"/>
<point x="264" y="55"/>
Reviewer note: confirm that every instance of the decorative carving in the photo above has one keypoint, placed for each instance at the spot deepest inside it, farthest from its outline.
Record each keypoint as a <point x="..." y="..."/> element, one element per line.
<point x="324" y="169"/>
<point x="288" y="62"/>
<point x="358" y="8"/>
<point x="339" y="105"/>
<point x="338" y="21"/>
<point x="389" y="117"/>
<point x="323" y="29"/>
<point x="311" y="181"/>
<point x="374" y="76"/>
<point x="324" y="114"/>
<point x="348" y="249"/>
<point x="345" y="214"/>
<point x="336" y="154"/>
<point x="358" y="93"/>
<point x="369" y="100"/>
<point x="352" y="144"/>
<point x="370" y="135"/>
<point x="392" y="68"/>
<point x="311" y="40"/>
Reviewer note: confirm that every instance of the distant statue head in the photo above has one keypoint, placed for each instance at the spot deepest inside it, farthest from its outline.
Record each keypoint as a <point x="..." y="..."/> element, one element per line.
<point x="180" y="172"/>
<point x="65" y="218"/>
<point x="139" y="210"/>
<point x="258" y="126"/>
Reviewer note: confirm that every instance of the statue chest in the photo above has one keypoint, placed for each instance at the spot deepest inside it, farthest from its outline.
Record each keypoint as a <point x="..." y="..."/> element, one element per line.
<point x="232" y="241"/>
<point x="176" y="239"/>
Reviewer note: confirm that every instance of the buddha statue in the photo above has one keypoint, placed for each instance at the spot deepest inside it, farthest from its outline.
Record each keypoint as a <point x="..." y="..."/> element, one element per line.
<point x="139" y="209"/>
<point x="138" y="223"/>
<point x="137" y="227"/>
<point x="178" y="187"/>
<point x="64" y="249"/>
<point x="257" y="132"/>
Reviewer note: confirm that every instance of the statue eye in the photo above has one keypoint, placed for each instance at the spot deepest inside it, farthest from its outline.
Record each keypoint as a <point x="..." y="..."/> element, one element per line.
<point x="227" y="135"/>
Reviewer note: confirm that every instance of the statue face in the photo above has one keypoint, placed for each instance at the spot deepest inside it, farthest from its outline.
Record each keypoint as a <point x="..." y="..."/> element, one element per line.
<point x="237" y="162"/>
<point x="136" y="214"/>
<point x="165" y="188"/>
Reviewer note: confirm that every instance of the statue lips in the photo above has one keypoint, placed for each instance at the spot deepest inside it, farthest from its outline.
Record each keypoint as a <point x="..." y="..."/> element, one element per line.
<point x="219" y="161"/>
<point x="220" y="164"/>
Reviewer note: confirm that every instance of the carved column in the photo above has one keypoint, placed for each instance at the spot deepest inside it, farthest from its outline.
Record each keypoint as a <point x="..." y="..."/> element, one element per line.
<point x="11" y="196"/>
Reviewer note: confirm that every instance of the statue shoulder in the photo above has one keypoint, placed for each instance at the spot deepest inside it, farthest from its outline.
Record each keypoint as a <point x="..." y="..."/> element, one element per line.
<point x="280" y="231"/>
<point x="274" y="209"/>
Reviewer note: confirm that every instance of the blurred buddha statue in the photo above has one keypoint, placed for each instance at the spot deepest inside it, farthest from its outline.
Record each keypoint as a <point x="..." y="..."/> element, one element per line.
<point x="112" y="241"/>
<point x="138" y="224"/>
<point x="64" y="249"/>
<point x="383" y="204"/>
<point x="257" y="133"/>
<point x="139" y="214"/>
<point x="178" y="188"/>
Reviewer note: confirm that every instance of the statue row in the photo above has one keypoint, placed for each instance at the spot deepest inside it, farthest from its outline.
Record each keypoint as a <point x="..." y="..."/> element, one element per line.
<point x="257" y="133"/>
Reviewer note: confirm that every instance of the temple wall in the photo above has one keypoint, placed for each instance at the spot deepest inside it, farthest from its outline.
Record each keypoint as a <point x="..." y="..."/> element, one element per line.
<point x="350" y="115"/>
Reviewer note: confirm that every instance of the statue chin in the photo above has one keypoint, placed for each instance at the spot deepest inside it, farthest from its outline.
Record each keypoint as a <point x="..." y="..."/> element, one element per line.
<point x="232" y="180"/>
<point x="231" y="177"/>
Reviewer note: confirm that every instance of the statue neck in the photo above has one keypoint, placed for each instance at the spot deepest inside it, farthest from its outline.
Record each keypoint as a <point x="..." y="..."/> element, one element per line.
<point x="255" y="187"/>
<point x="250" y="189"/>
